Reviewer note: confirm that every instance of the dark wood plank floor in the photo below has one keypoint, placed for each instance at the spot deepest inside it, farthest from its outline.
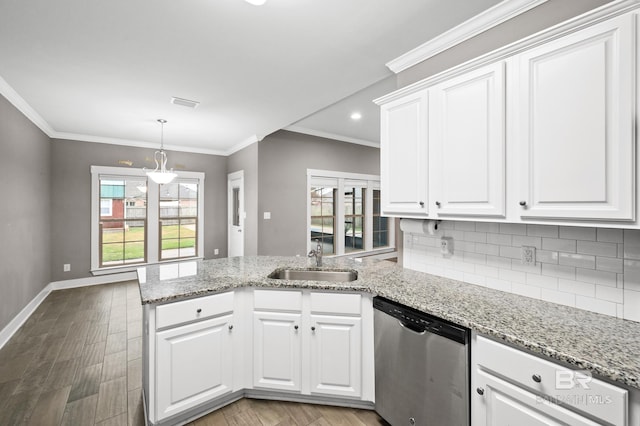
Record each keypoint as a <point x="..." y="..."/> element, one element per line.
<point x="78" y="361"/>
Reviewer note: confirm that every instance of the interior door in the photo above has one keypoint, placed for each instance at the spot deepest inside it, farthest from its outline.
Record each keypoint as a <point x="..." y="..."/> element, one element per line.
<point x="235" y="185"/>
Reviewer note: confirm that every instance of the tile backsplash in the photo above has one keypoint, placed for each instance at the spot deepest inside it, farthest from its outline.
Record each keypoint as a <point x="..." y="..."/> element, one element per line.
<point x="597" y="269"/>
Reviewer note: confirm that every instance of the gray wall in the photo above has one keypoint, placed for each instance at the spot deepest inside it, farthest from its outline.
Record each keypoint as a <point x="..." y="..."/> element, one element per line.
<point x="71" y="198"/>
<point x="247" y="159"/>
<point x="284" y="158"/>
<point x="24" y="211"/>
<point x="544" y="16"/>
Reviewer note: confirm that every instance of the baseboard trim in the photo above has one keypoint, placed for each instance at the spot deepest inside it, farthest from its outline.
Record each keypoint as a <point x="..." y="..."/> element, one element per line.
<point x="10" y="329"/>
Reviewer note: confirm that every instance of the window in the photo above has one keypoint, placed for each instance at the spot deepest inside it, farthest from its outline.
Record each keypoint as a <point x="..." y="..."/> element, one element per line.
<point x="136" y="221"/>
<point x="344" y="213"/>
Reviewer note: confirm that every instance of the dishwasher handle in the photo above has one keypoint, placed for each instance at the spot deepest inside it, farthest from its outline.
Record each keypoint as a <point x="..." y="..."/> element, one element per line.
<point x="412" y="327"/>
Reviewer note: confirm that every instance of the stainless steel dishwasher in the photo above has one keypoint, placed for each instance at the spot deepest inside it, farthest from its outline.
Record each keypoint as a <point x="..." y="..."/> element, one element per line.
<point x="422" y="367"/>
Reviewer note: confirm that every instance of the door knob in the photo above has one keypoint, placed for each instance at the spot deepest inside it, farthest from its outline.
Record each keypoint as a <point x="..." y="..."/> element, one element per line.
<point x="480" y="391"/>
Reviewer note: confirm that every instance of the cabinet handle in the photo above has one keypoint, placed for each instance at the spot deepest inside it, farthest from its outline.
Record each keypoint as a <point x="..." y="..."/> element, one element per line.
<point x="198" y="310"/>
<point x="313" y="328"/>
<point x="536" y="378"/>
<point x="480" y="391"/>
<point x="421" y="203"/>
<point x="230" y="326"/>
<point x="438" y="203"/>
<point x="523" y="203"/>
<point x="295" y="326"/>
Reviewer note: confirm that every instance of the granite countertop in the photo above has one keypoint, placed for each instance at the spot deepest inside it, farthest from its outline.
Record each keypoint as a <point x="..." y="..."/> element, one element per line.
<point x="606" y="346"/>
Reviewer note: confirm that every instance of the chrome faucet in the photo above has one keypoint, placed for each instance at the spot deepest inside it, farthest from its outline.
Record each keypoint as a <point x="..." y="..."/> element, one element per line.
<point x="317" y="253"/>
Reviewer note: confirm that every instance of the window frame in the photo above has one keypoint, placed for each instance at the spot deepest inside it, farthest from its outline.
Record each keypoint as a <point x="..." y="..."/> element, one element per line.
<point x="152" y="219"/>
<point x="343" y="180"/>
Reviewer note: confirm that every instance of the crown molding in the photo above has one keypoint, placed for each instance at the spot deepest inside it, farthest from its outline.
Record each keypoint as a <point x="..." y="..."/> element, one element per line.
<point x="482" y="22"/>
<point x="243" y="144"/>
<point x="327" y="135"/>
<point x="21" y="105"/>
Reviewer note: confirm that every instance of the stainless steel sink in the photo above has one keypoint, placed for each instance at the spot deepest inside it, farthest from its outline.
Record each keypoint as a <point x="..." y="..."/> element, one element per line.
<point x="314" y="275"/>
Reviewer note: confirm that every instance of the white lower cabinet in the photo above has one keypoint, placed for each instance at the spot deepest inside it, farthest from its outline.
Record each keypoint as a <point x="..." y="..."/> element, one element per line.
<point x="193" y="364"/>
<point x="511" y="387"/>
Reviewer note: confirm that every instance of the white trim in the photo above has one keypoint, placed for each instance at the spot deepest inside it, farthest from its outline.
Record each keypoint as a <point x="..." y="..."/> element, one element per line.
<point x="241" y="145"/>
<point x="14" y="325"/>
<point x="21" y="105"/>
<point x="473" y="26"/>
<point x="334" y="136"/>
<point x="609" y="10"/>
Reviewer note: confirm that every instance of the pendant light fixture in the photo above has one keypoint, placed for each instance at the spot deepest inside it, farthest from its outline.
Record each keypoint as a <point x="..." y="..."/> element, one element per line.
<point x="161" y="175"/>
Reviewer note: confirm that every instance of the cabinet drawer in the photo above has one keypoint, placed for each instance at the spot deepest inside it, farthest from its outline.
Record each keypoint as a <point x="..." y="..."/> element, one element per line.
<point x="277" y="300"/>
<point x="193" y="309"/>
<point x="559" y="384"/>
<point x="335" y="303"/>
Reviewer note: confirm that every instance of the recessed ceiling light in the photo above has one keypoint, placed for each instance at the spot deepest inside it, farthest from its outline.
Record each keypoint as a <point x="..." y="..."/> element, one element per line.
<point x="256" y="2"/>
<point x="356" y="116"/>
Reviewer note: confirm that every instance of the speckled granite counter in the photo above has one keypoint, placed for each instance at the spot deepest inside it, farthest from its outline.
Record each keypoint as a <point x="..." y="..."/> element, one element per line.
<point x="607" y="346"/>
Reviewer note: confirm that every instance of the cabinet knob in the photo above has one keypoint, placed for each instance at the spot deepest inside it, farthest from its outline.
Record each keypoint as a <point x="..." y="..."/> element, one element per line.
<point x="295" y="326"/>
<point x="438" y="203"/>
<point x="480" y="391"/>
<point x="421" y="203"/>
<point x="536" y="378"/>
<point x="230" y="326"/>
<point x="313" y="328"/>
<point x="523" y="203"/>
<point x="198" y="310"/>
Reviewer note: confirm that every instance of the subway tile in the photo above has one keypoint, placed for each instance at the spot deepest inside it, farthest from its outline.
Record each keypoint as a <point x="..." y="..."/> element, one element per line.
<point x="620" y="281"/>
<point x="559" y="297"/>
<point x="464" y="246"/>
<point x="620" y="310"/>
<point x="447" y="224"/>
<point x="510" y="252"/>
<point x="487" y="271"/>
<point x="499" y="239"/>
<point x="542" y="281"/>
<point x="632" y="275"/>
<point x="475" y="258"/>
<point x="526" y="290"/>
<point x="597" y="249"/>
<point x="476" y="237"/>
<point x="559" y="271"/>
<point x="578" y="260"/>
<point x="453" y="274"/>
<point x="609" y="235"/>
<point x="513" y="228"/>
<point x="465" y="226"/>
<point x="632" y="244"/>
<point x="609" y="293"/>
<point x="609" y="264"/>
<point x="542" y="231"/>
<point x="577" y="233"/>
<point x="434" y="270"/>
<point x="596" y="305"/>
<point x="632" y="305"/>
<point x="620" y="251"/>
<point x="463" y="266"/>
<point x="520" y="240"/>
<point x="488" y="227"/>
<point x="517" y="265"/>
<point x="499" y="262"/>
<point x="474" y="279"/>
<point x="513" y="276"/>
<point x="557" y="244"/>
<point x="596" y="277"/>
<point x="546" y="256"/>
<point x="490" y="249"/>
<point x="577" y="287"/>
<point x="497" y="284"/>
<point x="456" y="235"/>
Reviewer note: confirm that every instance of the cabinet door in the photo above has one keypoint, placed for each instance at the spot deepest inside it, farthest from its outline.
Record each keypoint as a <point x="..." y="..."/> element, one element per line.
<point x="336" y="355"/>
<point x="575" y="133"/>
<point x="404" y="156"/>
<point x="193" y="365"/>
<point x="467" y="144"/>
<point x="503" y="404"/>
<point x="277" y="351"/>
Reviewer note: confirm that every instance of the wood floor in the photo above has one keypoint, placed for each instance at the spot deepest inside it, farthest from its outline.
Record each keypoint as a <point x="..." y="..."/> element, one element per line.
<point x="78" y="361"/>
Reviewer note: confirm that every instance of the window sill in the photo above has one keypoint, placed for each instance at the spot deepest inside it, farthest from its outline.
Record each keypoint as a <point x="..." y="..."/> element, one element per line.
<point x="385" y="253"/>
<point x="133" y="268"/>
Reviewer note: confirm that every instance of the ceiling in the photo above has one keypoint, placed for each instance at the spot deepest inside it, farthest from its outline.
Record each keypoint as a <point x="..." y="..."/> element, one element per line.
<point x="104" y="71"/>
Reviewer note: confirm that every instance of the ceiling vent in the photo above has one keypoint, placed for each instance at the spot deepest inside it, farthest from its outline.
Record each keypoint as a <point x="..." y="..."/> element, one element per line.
<point x="184" y="102"/>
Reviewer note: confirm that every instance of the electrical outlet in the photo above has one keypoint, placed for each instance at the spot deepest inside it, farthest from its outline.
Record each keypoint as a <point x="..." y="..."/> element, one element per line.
<point x="216" y="252"/>
<point x="446" y="246"/>
<point x="66" y="267"/>
<point x="528" y="255"/>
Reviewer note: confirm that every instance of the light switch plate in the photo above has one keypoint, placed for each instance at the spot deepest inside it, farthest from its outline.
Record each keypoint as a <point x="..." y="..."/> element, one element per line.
<point x="528" y="256"/>
<point x="266" y="215"/>
<point x="446" y="246"/>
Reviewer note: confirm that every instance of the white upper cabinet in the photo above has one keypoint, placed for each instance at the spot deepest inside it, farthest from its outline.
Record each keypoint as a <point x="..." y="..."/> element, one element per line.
<point x="404" y="156"/>
<point x="467" y="144"/>
<point x="574" y="125"/>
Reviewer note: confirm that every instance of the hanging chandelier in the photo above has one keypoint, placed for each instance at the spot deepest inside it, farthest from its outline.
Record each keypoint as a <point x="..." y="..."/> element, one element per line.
<point x="161" y="175"/>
